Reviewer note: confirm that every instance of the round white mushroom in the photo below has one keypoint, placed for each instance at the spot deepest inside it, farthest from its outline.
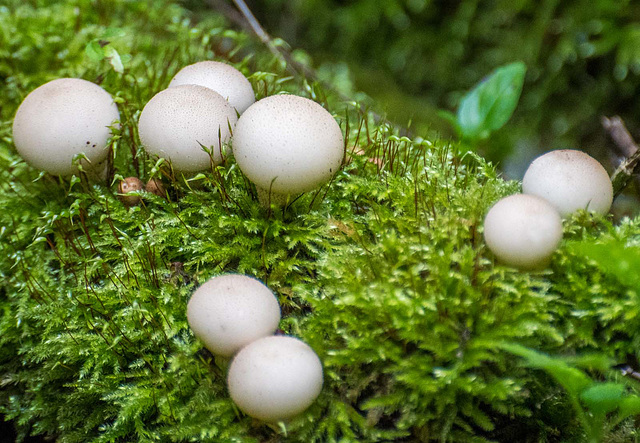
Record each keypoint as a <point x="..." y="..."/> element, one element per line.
<point x="570" y="180"/>
<point x="287" y="145"/>
<point x="182" y="123"/>
<point x="230" y="311"/>
<point x="62" y="119"/>
<point x="275" y="378"/>
<point x="222" y="78"/>
<point x="523" y="231"/>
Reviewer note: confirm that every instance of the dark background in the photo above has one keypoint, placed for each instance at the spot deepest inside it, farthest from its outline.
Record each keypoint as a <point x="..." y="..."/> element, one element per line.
<point x="413" y="57"/>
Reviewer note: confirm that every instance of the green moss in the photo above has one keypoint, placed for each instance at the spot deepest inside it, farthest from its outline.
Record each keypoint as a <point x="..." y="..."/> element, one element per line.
<point x="383" y="272"/>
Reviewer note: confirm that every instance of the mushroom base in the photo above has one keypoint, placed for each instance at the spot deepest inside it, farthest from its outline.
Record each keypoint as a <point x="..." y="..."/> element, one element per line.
<point x="268" y="198"/>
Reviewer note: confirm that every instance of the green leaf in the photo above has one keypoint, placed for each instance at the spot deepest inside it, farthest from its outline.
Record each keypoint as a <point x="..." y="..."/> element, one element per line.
<point x="615" y="257"/>
<point x="490" y="104"/>
<point x="572" y="379"/>
<point x="110" y="33"/>
<point x="114" y="59"/>
<point x="592" y="361"/>
<point x="602" y="398"/>
<point x="629" y="406"/>
<point x="94" y="51"/>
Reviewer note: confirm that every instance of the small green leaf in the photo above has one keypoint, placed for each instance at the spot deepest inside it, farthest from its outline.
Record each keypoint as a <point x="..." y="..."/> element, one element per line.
<point x="592" y="361"/>
<point x="114" y="58"/>
<point x="490" y="104"/>
<point x="110" y="33"/>
<point x="94" y="51"/>
<point x="572" y="379"/>
<point x="602" y="398"/>
<point x="629" y="406"/>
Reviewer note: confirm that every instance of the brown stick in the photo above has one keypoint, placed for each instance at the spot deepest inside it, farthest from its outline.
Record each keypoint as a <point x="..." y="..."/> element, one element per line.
<point x="620" y="135"/>
<point x="626" y="147"/>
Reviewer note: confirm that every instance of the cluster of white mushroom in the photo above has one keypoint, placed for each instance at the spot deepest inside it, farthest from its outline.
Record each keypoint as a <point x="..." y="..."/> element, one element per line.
<point x="285" y="144"/>
<point x="270" y="378"/>
<point x="524" y="230"/>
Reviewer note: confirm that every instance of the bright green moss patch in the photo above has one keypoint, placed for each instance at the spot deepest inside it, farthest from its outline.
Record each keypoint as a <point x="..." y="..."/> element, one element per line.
<point x="383" y="271"/>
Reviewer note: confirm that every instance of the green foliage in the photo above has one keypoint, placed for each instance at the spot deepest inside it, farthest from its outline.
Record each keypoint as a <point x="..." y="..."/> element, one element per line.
<point x="383" y="271"/>
<point x="615" y="257"/>
<point x="594" y="402"/>
<point x="100" y="49"/>
<point x="489" y="105"/>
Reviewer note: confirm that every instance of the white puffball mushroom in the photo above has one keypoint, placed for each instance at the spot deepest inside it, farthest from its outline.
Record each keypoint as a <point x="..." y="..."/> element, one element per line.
<point x="275" y="378"/>
<point x="62" y="119"/>
<point x="230" y="311"/>
<point x="523" y="231"/>
<point x="177" y="122"/>
<point x="570" y="180"/>
<point x="287" y="145"/>
<point x="222" y="78"/>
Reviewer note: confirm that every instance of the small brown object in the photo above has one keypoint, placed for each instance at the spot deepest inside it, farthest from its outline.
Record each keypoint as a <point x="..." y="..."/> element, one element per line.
<point x="155" y="186"/>
<point x="128" y="185"/>
<point x="622" y="139"/>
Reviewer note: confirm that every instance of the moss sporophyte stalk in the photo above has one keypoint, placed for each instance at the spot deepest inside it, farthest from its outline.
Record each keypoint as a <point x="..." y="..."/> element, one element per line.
<point x="403" y="320"/>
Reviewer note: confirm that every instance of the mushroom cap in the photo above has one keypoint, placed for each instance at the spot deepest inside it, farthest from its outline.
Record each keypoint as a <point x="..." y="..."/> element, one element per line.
<point x="230" y="311"/>
<point x="288" y="144"/>
<point x="275" y="378"/>
<point x="128" y="185"/>
<point x="61" y="119"/>
<point x="570" y="180"/>
<point x="523" y="231"/>
<point x="222" y="78"/>
<point x="177" y="121"/>
<point x="156" y="187"/>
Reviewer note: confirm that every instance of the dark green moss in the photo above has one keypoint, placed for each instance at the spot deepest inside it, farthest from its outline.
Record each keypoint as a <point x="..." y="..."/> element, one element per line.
<point x="383" y="271"/>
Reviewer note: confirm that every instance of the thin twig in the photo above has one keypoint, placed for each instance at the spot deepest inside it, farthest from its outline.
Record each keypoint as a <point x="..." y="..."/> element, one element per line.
<point x="253" y="22"/>
<point x="230" y="13"/>
<point x="627" y="147"/>
<point x="622" y="139"/>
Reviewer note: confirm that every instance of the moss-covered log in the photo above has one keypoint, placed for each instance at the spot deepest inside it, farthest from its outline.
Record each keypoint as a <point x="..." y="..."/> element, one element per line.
<point x="383" y="272"/>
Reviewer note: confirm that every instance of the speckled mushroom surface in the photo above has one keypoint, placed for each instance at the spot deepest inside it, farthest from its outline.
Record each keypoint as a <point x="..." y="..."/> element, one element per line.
<point x="177" y="122"/>
<point x="61" y="119"/>
<point x="275" y="378"/>
<point x="230" y="311"/>
<point x="288" y="144"/>
<point x="523" y="231"/>
<point x="570" y="180"/>
<point x="222" y="78"/>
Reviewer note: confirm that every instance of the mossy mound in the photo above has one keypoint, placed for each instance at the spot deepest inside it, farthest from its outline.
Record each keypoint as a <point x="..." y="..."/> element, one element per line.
<point x="383" y="271"/>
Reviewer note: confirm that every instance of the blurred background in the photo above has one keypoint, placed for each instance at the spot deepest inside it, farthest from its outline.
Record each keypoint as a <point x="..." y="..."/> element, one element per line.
<point x="413" y="57"/>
